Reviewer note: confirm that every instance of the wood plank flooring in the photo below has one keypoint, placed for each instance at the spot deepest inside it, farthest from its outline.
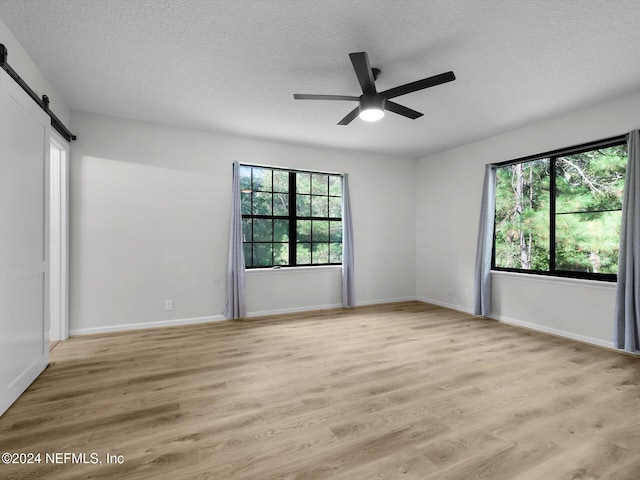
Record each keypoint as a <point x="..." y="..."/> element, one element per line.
<point x="398" y="391"/>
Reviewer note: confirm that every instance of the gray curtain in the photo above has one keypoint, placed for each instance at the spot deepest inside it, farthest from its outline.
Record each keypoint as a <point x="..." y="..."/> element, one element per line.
<point x="627" y="309"/>
<point x="482" y="289"/>
<point x="236" y="302"/>
<point x="348" y="283"/>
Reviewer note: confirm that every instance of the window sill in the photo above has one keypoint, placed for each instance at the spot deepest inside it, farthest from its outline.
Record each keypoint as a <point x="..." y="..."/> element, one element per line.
<point x="290" y="270"/>
<point x="550" y="280"/>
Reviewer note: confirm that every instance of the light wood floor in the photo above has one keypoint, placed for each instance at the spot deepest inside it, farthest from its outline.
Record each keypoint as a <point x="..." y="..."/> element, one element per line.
<point x="400" y="391"/>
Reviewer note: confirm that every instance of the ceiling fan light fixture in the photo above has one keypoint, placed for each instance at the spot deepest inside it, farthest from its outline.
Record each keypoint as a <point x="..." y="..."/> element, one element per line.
<point x="372" y="104"/>
<point x="371" y="108"/>
<point x="371" y="114"/>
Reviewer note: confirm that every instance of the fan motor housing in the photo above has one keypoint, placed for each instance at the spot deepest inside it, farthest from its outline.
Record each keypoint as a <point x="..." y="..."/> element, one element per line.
<point x="372" y="102"/>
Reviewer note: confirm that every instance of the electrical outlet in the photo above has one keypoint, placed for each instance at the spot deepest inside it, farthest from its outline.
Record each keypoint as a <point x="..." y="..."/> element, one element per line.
<point x="168" y="305"/>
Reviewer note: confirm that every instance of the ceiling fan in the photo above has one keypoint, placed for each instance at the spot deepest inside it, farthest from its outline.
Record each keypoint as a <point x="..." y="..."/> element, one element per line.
<point x="372" y="104"/>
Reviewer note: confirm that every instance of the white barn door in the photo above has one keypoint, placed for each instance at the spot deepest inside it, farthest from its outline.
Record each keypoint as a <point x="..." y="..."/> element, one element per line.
<point x="24" y="241"/>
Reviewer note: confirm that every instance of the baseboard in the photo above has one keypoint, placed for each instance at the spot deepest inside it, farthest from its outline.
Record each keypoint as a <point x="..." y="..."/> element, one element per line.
<point x="144" y="325"/>
<point x="281" y="311"/>
<point x="386" y="300"/>
<point x="316" y="308"/>
<point x="217" y="318"/>
<point x="445" y="305"/>
<point x="528" y="325"/>
<point x="553" y="331"/>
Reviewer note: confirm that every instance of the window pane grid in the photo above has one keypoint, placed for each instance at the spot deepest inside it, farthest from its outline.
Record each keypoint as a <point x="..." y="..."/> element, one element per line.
<point x="562" y="218"/>
<point x="291" y="218"/>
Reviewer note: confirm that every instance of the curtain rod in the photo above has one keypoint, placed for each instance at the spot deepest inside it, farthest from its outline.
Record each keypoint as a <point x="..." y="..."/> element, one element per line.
<point x="43" y="102"/>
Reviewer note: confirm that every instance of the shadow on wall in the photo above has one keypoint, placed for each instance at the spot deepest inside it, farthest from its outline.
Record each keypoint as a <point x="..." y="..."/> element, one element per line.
<point x="143" y="234"/>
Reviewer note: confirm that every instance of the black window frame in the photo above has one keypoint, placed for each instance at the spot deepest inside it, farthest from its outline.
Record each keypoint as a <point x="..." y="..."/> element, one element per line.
<point x="552" y="156"/>
<point x="292" y="217"/>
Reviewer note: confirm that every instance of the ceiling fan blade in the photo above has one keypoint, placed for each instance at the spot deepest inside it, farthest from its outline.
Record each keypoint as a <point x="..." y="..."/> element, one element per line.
<point x="419" y="85"/>
<point x="304" y="96"/>
<point x="401" y="110"/>
<point x="350" y="116"/>
<point x="360" y="62"/>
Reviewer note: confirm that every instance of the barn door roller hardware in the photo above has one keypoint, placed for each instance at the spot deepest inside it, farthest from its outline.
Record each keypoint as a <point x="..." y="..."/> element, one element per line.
<point x="42" y="102"/>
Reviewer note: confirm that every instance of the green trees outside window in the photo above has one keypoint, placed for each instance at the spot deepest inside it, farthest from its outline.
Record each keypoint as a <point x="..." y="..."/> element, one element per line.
<point x="290" y="218"/>
<point x="560" y="214"/>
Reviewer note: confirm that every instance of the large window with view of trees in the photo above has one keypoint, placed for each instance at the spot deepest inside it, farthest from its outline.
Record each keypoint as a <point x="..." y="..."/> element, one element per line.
<point x="560" y="213"/>
<point x="290" y="218"/>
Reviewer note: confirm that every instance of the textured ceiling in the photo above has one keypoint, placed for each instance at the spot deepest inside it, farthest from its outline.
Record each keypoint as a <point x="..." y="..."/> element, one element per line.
<point x="233" y="66"/>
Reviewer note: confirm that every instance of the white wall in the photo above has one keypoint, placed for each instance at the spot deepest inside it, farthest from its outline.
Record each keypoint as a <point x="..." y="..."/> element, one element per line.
<point x="149" y="222"/>
<point x="24" y="66"/>
<point x="449" y="187"/>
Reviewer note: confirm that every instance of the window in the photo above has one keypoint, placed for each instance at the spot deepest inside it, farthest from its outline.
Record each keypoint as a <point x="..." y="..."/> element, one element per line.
<point x="559" y="213"/>
<point x="290" y="218"/>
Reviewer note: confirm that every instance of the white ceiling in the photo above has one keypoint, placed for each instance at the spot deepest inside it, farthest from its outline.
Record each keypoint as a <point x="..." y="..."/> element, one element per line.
<point x="233" y="65"/>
